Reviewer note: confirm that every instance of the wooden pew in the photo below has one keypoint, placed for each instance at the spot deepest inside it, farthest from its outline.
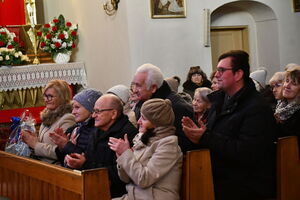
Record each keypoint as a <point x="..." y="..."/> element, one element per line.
<point x="197" y="179"/>
<point x="288" y="169"/>
<point x="27" y="179"/>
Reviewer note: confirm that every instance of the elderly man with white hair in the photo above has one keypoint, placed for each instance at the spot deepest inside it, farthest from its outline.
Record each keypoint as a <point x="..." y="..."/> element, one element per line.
<point x="148" y="82"/>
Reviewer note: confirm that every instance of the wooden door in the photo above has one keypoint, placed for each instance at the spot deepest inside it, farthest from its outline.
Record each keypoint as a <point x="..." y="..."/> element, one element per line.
<point x="228" y="38"/>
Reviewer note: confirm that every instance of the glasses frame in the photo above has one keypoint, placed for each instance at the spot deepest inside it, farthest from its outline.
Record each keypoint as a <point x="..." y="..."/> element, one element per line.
<point x="221" y="70"/>
<point x="48" y="97"/>
<point x="99" y="111"/>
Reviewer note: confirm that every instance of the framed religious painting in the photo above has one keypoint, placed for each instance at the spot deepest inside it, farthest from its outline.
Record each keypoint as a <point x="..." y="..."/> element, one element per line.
<point x="168" y="8"/>
<point x="296" y="4"/>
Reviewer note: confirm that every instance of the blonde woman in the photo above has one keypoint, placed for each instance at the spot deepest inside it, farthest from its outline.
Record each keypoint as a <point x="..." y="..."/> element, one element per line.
<point x="57" y="114"/>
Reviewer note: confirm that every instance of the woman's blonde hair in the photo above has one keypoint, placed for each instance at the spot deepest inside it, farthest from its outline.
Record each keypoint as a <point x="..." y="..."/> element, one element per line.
<point x="278" y="77"/>
<point x="62" y="89"/>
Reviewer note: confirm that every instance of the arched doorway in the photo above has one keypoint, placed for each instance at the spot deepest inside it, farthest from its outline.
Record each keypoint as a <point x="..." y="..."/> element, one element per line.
<point x="262" y="29"/>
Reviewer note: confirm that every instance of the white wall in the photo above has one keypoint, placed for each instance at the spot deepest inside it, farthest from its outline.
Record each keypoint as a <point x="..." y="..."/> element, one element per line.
<point x="113" y="47"/>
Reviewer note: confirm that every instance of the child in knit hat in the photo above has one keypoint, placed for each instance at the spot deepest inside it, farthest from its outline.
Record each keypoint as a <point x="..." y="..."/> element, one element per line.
<point x="152" y="168"/>
<point x="76" y="138"/>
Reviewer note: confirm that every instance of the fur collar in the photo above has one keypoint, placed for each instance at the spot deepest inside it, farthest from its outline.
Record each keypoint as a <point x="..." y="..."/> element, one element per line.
<point x="48" y="117"/>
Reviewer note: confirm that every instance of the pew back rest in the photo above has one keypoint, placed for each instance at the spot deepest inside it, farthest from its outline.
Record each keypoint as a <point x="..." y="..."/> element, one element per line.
<point x="28" y="179"/>
<point x="197" y="179"/>
<point x="288" y="169"/>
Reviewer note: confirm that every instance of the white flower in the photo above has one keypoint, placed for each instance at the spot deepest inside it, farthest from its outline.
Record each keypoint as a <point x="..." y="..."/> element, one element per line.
<point x="64" y="45"/>
<point x="7" y="57"/>
<point x="66" y="34"/>
<point x="16" y="55"/>
<point x="70" y="44"/>
<point x="1" y="58"/>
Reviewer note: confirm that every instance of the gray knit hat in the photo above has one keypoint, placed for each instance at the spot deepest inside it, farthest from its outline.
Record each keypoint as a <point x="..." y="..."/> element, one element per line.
<point x="87" y="98"/>
<point x="159" y="112"/>
<point x="120" y="91"/>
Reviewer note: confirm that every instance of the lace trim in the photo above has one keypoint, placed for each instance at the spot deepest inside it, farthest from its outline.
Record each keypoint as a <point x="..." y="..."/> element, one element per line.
<point x="32" y="76"/>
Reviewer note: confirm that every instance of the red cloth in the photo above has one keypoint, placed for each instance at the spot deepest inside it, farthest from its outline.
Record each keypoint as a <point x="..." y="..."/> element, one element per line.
<point x="12" y="12"/>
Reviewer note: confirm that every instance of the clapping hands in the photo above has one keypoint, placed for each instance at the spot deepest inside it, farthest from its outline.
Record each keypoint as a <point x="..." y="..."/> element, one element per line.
<point x="191" y="130"/>
<point x="119" y="145"/>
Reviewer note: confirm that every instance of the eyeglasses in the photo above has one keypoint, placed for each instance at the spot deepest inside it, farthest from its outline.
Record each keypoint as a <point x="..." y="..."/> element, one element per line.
<point x="221" y="70"/>
<point x="276" y="85"/>
<point x="48" y="97"/>
<point x="99" y="111"/>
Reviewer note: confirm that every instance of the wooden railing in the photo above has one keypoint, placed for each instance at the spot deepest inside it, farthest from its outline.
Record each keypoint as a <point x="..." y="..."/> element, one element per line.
<point x="197" y="180"/>
<point x="288" y="169"/>
<point x="27" y="179"/>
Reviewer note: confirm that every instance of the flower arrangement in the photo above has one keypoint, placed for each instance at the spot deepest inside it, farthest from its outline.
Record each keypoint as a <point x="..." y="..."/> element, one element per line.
<point x="12" y="57"/>
<point x="8" y="39"/>
<point x="58" y="36"/>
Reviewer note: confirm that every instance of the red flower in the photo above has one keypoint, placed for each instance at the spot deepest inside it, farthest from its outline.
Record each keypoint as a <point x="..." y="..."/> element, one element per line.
<point x="43" y="44"/>
<point x="68" y="24"/>
<point x="16" y="39"/>
<point x="21" y="44"/>
<point x="39" y="33"/>
<point x="55" y="21"/>
<point x="73" y="45"/>
<point x="54" y="28"/>
<point x="61" y="36"/>
<point x="10" y="46"/>
<point x="3" y="33"/>
<point x="57" y="44"/>
<point x="47" y="25"/>
<point x="1" y="43"/>
<point x="48" y="36"/>
<point x="74" y="33"/>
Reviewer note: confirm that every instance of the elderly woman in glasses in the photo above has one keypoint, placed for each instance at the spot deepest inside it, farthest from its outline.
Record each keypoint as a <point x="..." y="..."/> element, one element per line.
<point x="276" y="83"/>
<point x="57" y="114"/>
<point x="287" y="111"/>
<point x="77" y="137"/>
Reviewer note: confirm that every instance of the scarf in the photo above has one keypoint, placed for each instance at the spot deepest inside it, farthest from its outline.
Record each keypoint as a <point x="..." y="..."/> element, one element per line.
<point x="285" y="110"/>
<point x="159" y="133"/>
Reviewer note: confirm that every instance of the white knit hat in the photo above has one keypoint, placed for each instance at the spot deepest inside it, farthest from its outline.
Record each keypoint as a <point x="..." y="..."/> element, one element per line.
<point x="259" y="76"/>
<point x="120" y="91"/>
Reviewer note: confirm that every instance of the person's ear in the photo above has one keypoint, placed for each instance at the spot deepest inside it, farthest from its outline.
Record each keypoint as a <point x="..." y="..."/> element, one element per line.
<point x="239" y="75"/>
<point x="153" y="88"/>
<point x="114" y="114"/>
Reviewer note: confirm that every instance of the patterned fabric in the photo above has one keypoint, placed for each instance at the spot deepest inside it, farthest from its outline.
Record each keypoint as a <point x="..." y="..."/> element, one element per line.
<point x="33" y="76"/>
<point x="285" y="110"/>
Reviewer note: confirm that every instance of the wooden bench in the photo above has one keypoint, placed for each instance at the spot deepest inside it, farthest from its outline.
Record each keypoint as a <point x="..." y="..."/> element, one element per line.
<point x="288" y="169"/>
<point x="197" y="179"/>
<point x="27" y="179"/>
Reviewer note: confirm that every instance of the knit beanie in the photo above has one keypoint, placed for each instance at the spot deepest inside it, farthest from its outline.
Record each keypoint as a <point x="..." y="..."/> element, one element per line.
<point x="120" y="91"/>
<point x="173" y="83"/>
<point x="158" y="111"/>
<point x="87" y="98"/>
<point x="260" y="76"/>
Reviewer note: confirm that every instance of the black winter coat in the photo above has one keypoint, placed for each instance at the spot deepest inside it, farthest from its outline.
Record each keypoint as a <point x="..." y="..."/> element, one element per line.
<point x="241" y="138"/>
<point x="85" y="130"/>
<point x="181" y="108"/>
<point x="190" y="87"/>
<point x="98" y="153"/>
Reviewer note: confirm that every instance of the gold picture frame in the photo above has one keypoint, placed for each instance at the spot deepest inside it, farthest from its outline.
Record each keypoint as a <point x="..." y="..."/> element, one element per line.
<point x="296" y="4"/>
<point x="168" y="8"/>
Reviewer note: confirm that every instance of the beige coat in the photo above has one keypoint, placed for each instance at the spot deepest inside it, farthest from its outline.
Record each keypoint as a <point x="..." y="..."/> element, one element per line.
<point x="45" y="148"/>
<point x="153" y="172"/>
